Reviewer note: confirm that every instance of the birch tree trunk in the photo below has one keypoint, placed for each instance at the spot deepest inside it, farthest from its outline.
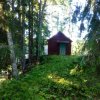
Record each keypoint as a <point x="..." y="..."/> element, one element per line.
<point x="12" y="55"/>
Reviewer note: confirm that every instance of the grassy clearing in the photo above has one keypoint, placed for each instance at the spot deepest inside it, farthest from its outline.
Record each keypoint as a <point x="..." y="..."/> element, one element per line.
<point x="59" y="78"/>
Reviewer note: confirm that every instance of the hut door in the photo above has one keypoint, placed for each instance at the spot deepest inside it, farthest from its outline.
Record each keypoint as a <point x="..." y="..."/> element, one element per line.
<point x="62" y="49"/>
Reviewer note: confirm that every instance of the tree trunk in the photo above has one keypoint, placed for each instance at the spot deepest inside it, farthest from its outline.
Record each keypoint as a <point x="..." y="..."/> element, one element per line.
<point x="39" y="34"/>
<point x="11" y="47"/>
<point x="21" y="18"/>
<point x="23" y="39"/>
<point x="12" y="55"/>
<point x="30" y="31"/>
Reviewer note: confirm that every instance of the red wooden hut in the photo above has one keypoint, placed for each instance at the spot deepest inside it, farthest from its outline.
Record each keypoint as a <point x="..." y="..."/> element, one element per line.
<point x="59" y="44"/>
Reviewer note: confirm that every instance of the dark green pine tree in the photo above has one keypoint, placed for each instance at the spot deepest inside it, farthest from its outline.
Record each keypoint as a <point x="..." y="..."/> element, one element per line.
<point x="92" y="39"/>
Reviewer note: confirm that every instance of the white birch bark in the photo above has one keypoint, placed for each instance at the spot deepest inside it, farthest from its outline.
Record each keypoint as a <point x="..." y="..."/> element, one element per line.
<point x="12" y="55"/>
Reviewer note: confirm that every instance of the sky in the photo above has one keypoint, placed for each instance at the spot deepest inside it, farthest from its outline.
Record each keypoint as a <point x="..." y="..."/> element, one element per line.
<point x="70" y="30"/>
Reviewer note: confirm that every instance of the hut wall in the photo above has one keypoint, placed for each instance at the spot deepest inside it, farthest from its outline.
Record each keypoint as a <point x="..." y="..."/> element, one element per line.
<point x="53" y="47"/>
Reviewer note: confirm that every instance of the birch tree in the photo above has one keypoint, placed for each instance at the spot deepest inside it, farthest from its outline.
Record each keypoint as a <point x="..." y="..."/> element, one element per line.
<point x="6" y="25"/>
<point x="12" y="54"/>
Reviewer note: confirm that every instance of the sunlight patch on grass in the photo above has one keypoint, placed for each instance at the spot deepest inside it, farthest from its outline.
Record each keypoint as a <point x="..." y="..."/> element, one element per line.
<point x="59" y="79"/>
<point x="75" y="71"/>
<point x="2" y="79"/>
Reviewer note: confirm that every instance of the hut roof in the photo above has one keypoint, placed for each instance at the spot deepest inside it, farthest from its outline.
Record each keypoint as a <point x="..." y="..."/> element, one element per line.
<point x="60" y="37"/>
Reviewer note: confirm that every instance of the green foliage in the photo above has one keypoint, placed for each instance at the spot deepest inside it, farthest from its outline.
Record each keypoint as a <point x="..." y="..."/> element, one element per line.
<point x="3" y="37"/>
<point x="92" y="40"/>
<point x="59" y="78"/>
<point x="4" y="58"/>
